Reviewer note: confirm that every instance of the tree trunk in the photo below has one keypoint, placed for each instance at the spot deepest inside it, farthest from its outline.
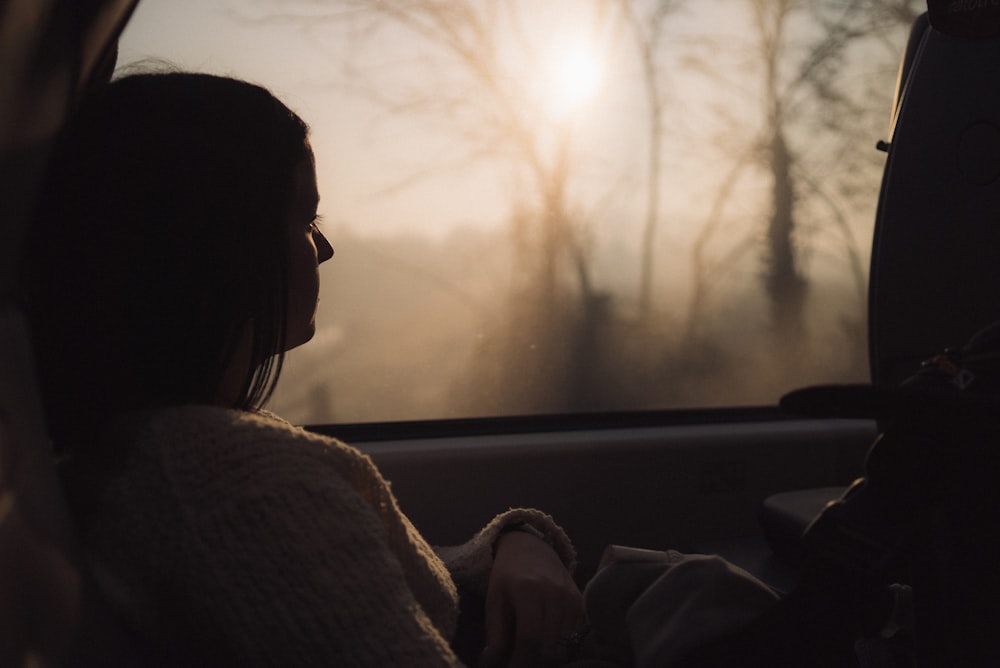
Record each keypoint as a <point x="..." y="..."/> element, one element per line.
<point x="785" y="286"/>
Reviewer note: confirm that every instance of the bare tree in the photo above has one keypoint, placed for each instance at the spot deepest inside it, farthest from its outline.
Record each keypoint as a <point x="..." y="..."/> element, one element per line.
<point x="468" y="82"/>
<point x="489" y="110"/>
<point x="804" y="103"/>
<point x="783" y="280"/>
<point x="647" y="34"/>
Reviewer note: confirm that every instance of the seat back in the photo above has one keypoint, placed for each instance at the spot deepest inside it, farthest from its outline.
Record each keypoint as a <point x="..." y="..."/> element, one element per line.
<point x="935" y="281"/>
<point x="935" y="273"/>
<point x="50" y="53"/>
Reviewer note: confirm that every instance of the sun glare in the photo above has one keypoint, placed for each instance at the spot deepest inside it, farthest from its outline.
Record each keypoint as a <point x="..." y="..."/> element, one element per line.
<point x="572" y="78"/>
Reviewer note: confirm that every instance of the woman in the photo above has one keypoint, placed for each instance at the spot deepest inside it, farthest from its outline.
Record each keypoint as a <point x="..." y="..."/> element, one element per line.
<point x="174" y="261"/>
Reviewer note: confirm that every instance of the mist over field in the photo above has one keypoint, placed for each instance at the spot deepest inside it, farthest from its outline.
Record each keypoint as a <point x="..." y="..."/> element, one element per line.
<point x="413" y="328"/>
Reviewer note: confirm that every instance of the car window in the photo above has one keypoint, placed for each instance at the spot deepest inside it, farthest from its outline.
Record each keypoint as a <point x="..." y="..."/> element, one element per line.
<point x="561" y="206"/>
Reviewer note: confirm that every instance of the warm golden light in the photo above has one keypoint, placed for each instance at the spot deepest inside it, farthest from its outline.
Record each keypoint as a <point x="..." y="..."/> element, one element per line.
<point x="572" y="77"/>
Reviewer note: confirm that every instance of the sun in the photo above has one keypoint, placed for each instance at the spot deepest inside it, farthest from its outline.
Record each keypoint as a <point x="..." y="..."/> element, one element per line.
<point x="572" y="77"/>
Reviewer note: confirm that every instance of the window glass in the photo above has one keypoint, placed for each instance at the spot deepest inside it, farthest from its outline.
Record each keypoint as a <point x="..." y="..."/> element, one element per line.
<point x="548" y="206"/>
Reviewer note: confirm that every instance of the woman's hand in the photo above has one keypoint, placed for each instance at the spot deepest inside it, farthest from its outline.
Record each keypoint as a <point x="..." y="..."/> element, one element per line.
<point x="532" y="605"/>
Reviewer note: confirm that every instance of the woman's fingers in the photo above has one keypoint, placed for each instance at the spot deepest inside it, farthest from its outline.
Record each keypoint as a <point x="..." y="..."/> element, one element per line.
<point x="533" y="606"/>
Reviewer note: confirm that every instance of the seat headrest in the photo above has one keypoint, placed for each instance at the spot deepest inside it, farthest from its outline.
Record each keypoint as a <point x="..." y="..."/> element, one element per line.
<point x="974" y="19"/>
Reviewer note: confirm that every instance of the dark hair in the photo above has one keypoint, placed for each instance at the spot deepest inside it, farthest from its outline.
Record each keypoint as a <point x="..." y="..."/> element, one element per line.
<point x="159" y="239"/>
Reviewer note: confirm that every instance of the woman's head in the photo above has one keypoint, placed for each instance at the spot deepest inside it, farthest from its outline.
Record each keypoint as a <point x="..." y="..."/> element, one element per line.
<point x="162" y="248"/>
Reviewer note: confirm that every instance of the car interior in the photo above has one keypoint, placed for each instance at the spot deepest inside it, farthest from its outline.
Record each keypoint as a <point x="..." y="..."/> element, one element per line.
<point x="740" y="481"/>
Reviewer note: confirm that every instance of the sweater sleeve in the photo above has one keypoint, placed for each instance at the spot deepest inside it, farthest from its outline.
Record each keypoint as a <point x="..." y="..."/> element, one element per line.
<point x="471" y="562"/>
<point x="275" y="556"/>
<point x="314" y="586"/>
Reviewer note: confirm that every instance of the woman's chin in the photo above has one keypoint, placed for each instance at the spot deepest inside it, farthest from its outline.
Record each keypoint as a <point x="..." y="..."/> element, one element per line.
<point x="300" y="336"/>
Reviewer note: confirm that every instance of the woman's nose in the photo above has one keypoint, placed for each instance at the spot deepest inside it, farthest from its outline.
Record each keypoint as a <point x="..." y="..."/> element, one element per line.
<point x="324" y="251"/>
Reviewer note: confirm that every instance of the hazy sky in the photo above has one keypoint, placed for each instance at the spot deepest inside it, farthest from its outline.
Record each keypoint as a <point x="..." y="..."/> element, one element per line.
<point x="294" y="62"/>
<point x="384" y="172"/>
<point x="361" y="151"/>
<point x="387" y="175"/>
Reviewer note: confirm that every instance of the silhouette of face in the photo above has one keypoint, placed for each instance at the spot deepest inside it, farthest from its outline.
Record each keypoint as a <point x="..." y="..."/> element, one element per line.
<point x="307" y="249"/>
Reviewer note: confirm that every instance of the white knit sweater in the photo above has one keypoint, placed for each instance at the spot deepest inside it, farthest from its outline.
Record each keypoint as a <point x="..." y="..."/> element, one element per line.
<point x="231" y="538"/>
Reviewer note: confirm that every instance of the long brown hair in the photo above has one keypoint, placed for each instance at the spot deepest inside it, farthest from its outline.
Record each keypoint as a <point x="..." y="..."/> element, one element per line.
<point x="159" y="242"/>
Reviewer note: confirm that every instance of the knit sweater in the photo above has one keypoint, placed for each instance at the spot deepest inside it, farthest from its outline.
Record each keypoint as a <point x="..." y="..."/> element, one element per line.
<point x="231" y="538"/>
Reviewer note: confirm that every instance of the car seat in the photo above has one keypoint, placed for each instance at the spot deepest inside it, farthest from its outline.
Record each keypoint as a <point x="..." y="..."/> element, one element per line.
<point x="936" y="251"/>
<point x="934" y="282"/>
<point x="51" y="52"/>
<point x="934" y="277"/>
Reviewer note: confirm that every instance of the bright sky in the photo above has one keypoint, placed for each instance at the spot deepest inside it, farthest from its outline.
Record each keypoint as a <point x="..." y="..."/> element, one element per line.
<point x="363" y="153"/>
<point x="384" y="173"/>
